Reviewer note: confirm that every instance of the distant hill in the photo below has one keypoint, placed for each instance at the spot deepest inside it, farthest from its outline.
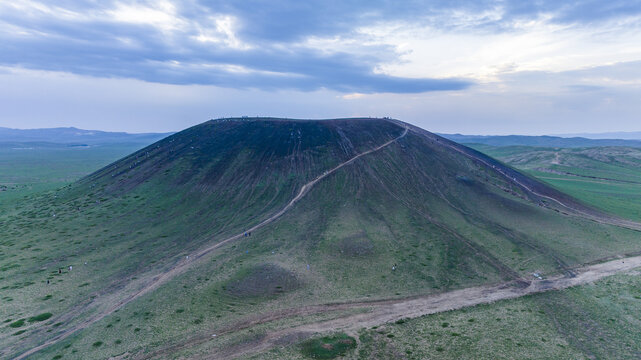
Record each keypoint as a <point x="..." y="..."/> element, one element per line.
<point x="625" y="135"/>
<point x="72" y="135"/>
<point x="545" y="141"/>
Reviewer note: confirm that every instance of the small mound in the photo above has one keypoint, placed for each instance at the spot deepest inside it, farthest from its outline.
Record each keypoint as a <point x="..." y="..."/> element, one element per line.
<point x="263" y="280"/>
<point x="356" y="245"/>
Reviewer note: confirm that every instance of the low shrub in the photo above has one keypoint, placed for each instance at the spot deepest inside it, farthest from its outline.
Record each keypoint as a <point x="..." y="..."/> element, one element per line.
<point x="40" y="317"/>
<point x="17" y="323"/>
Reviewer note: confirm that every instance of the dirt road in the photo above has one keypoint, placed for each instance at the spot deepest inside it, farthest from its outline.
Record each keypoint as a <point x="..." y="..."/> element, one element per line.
<point x="182" y="266"/>
<point x="386" y="311"/>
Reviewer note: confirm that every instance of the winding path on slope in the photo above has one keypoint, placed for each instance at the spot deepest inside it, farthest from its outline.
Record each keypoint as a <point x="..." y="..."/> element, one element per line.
<point x="183" y="265"/>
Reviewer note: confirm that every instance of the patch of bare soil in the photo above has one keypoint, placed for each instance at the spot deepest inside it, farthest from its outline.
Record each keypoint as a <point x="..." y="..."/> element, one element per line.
<point x="263" y="280"/>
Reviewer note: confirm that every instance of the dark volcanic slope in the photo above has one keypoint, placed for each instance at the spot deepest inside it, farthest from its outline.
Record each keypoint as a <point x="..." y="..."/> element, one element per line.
<point x="421" y="215"/>
<point x="227" y="152"/>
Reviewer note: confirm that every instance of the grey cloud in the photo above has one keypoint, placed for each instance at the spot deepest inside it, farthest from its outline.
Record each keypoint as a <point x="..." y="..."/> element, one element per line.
<point x="274" y="29"/>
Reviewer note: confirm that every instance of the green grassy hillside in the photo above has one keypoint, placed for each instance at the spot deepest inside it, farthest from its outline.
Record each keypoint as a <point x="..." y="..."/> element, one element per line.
<point x="605" y="177"/>
<point x="419" y="216"/>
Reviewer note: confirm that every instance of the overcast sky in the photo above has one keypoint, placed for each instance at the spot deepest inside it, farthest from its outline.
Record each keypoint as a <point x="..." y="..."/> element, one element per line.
<point x="474" y="67"/>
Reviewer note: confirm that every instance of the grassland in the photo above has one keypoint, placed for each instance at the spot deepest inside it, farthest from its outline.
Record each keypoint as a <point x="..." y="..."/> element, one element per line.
<point x="414" y="218"/>
<point x="33" y="167"/>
